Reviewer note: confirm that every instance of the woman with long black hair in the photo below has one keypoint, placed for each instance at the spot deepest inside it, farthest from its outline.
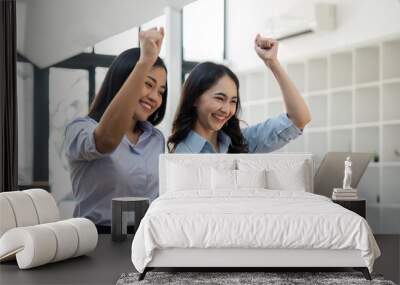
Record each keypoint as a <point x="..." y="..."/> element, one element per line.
<point x="114" y="151"/>
<point x="207" y="118"/>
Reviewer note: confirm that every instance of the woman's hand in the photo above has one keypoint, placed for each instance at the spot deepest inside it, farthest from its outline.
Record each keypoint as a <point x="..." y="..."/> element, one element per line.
<point x="296" y="108"/>
<point x="150" y="44"/>
<point x="267" y="49"/>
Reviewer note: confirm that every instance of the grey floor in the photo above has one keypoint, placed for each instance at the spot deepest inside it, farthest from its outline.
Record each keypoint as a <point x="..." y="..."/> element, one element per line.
<point x="102" y="266"/>
<point x="389" y="262"/>
<point x="110" y="260"/>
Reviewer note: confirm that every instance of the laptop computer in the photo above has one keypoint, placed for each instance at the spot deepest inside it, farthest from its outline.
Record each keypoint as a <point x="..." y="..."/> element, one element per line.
<point x="331" y="171"/>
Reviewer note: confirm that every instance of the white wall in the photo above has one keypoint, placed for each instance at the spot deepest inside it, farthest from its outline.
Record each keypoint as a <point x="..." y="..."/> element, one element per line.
<point x="357" y="21"/>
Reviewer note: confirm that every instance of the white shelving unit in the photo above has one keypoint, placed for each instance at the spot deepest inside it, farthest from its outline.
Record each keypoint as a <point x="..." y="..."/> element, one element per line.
<point x="367" y="104"/>
<point x="317" y="74"/>
<point x="341" y="106"/>
<point x="367" y="139"/>
<point x="391" y="101"/>
<point x="318" y="105"/>
<point x="354" y="97"/>
<point x="391" y="140"/>
<point x="341" y="62"/>
<point x="391" y="59"/>
<point x="297" y="70"/>
<point x="366" y="64"/>
<point x="341" y="140"/>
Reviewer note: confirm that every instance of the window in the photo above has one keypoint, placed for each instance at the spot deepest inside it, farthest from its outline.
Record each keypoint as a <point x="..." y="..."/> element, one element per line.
<point x="203" y="39"/>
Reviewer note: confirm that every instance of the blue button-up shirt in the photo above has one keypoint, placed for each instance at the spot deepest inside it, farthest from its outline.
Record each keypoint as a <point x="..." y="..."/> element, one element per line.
<point x="267" y="136"/>
<point x="130" y="170"/>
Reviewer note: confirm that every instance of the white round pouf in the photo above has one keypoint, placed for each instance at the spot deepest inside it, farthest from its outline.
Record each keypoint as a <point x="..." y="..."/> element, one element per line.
<point x="40" y="244"/>
<point x="87" y="234"/>
<point x="7" y="216"/>
<point x="33" y="246"/>
<point x="45" y="205"/>
<point x="67" y="240"/>
<point x="23" y="207"/>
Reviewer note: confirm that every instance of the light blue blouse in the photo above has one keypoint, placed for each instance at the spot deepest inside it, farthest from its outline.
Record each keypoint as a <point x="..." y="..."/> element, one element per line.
<point x="130" y="170"/>
<point x="267" y="136"/>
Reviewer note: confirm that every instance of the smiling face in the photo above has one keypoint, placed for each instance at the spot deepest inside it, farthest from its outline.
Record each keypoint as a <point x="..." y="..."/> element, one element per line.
<point x="217" y="105"/>
<point x="153" y="90"/>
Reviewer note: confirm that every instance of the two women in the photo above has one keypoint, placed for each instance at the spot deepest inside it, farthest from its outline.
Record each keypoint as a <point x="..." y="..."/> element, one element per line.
<point x="114" y="150"/>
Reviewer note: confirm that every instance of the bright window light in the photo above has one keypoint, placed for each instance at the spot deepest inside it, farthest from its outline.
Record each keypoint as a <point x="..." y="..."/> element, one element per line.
<point x="203" y="30"/>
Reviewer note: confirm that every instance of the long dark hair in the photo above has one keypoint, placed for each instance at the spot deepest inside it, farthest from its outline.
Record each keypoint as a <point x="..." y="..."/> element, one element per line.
<point x="201" y="78"/>
<point x="116" y="75"/>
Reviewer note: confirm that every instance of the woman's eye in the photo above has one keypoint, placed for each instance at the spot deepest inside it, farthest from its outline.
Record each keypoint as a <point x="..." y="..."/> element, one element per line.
<point x="219" y="98"/>
<point x="234" y="102"/>
<point x="149" y="85"/>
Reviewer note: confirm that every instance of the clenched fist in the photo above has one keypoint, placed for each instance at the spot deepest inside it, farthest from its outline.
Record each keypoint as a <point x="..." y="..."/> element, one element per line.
<point x="267" y="49"/>
<point x="150" y="44"/>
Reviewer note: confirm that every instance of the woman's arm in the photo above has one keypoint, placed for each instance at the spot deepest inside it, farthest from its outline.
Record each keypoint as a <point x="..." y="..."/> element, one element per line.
<point x="117" y="119"/>
<point x="297" y="110"/>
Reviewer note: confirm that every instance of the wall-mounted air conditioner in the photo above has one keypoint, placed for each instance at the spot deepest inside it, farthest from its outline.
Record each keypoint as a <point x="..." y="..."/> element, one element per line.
<point x="291" y="24"/>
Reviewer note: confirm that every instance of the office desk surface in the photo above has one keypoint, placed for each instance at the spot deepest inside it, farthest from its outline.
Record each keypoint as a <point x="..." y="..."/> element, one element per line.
<point x="104" y="265"/>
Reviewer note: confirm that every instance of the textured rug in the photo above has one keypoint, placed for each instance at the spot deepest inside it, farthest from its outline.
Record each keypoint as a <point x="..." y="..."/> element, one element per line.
<point x="225" y="278"/>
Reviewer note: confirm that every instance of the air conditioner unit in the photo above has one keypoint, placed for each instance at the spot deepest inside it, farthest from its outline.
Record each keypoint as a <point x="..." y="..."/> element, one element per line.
<point x="290" y="25"/>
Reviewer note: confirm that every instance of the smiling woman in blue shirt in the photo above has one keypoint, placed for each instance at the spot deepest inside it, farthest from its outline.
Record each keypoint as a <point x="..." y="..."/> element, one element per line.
<point x="114" y="151"/>
<point x="207" y="117"/>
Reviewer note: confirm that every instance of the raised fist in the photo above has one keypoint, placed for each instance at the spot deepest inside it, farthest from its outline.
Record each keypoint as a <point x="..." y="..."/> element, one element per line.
<point x="266" y="48"/>
<point x="150" y="44"/>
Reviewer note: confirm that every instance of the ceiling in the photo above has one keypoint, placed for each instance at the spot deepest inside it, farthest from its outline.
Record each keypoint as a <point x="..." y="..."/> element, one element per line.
<point x="49" y="31"/>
